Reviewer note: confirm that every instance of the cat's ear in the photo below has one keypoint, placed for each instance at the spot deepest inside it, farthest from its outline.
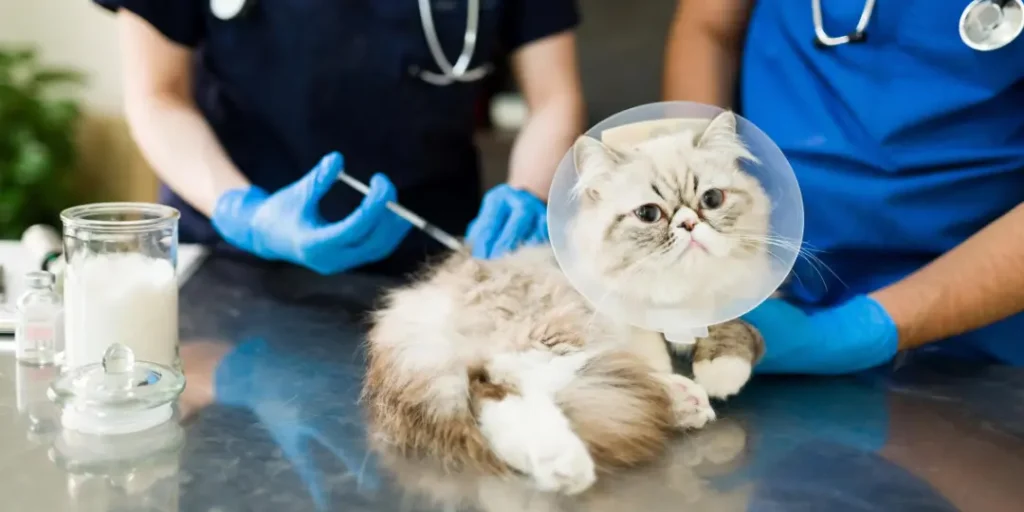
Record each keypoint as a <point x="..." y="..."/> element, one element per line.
<point x="721" y="131"/>
<point x="722" y="137"/>
<point x="594" y="160"/>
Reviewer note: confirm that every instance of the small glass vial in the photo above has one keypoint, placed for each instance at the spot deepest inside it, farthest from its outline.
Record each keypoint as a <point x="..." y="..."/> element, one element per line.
<point x="38" y="337"/>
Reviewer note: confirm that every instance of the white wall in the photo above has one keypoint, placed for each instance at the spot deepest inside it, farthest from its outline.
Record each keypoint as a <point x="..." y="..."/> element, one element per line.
<point x="70" y="32"/>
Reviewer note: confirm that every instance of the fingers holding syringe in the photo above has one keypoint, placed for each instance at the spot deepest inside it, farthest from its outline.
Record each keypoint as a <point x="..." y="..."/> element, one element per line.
<point x="364" y="221"/>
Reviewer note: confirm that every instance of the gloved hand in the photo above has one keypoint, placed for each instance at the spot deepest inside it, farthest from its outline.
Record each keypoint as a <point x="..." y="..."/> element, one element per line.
<point x="850" y="337"/>
<point x="508" y="218"/>
<point x="287" y="226"/>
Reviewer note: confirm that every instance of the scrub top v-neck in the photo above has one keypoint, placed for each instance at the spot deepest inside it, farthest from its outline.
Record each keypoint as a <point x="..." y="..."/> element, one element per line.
<point x="291" y="80"/>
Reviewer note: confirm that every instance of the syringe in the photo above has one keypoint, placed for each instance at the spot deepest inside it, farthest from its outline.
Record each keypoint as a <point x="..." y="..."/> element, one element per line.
<point x="435" y="232"/>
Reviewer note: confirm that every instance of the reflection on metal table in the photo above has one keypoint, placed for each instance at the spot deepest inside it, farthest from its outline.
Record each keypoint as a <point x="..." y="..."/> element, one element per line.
<point x="270" y="421"/>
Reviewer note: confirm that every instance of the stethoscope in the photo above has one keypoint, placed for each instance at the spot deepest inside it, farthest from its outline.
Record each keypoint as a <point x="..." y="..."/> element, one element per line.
<point x="459" y="72"/>
<point x="985" y="25"/>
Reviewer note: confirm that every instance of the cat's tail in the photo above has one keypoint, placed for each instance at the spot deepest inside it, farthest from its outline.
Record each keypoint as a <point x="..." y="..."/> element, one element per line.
<point x="556" y="419"/>
<point x="562" y="419"/>
<point x="621" y="411"/>
<point x="420" y="415"/>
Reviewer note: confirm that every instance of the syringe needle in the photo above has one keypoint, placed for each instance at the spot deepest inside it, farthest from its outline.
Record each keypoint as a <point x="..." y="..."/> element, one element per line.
<point x="435" y="232"/>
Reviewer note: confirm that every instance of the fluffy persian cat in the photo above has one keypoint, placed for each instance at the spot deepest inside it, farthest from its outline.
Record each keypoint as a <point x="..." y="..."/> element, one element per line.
<point x="503" y="365"/>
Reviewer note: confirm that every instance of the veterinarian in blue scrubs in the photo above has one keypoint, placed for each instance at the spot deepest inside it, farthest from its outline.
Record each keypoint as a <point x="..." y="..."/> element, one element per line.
<point x="249" y="109"/>
<point x="909" y="148"/>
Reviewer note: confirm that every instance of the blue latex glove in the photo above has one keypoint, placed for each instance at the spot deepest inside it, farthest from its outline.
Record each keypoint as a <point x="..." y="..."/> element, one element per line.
<point x="853" y="336"/>
<point x="508" y="218"/>
<point x="287" y="226"/>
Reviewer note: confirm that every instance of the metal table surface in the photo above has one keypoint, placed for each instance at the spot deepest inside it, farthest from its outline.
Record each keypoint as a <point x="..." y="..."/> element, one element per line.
<point x="270" y="422"/>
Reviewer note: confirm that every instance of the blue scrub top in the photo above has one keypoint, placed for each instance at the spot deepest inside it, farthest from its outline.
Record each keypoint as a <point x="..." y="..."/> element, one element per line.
<point x="292" y="80"/>
<point x="904" y="145"/>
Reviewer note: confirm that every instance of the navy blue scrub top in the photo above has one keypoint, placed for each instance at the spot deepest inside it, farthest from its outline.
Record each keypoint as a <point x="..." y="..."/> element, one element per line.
<point x="904" y="145"/>
<point x="292" y="80"/>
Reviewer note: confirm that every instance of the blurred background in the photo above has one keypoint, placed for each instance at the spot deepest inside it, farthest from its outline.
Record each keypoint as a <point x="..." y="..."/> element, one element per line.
<point x="63" y="139"/>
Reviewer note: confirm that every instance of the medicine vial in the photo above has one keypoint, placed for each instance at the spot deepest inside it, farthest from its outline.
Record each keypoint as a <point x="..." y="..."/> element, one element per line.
<point x="39" y="333"/>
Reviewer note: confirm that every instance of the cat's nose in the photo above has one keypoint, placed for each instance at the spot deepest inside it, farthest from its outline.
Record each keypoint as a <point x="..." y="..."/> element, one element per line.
<point x="688" y="224"/>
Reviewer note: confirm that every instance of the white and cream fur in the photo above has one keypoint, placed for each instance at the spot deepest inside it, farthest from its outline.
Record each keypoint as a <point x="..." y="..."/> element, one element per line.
<point x="657" y="264"/>
<point x="503" y="365"/>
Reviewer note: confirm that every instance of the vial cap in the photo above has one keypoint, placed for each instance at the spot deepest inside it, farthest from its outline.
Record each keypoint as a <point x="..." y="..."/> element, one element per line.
<point x="39" y="279"/>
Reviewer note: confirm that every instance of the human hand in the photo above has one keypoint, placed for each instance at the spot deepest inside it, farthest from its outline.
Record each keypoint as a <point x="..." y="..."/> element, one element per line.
<point x="853" y="336"/>
<point x="287" y="226"/>
<point x="508" y="218"/>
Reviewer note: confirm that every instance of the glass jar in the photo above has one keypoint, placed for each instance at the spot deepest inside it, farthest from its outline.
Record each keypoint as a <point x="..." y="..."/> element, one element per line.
<point x="37" y="336"/>
<point x="120" y="285"/>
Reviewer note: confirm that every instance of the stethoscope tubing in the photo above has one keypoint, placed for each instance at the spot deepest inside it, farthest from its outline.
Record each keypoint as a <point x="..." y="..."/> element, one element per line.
<point x="459" y="72"/>
<point x="823" y="40"/>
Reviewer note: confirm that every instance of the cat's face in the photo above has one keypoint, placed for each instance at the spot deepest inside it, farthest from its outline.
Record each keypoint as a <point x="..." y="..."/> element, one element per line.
<point x="672" y="218"/>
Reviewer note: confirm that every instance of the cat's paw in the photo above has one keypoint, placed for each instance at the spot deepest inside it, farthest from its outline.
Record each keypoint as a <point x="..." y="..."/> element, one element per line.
<point x="532" y="435"/>
<point x="690" y="403"/>
<point x="561" y="463"/>
<point x="722" y="376"/>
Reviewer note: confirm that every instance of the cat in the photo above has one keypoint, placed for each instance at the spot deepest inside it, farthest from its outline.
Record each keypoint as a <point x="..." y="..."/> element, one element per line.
<point x="502" y="365"/>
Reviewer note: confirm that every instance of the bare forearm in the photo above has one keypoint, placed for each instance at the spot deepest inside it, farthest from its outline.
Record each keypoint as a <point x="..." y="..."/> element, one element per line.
<point x="547" y="74"/>
<point x="543" y="142"/>
<point x="979" y="282"/>
<point x="702" y="56"/>
<point x="182" y="149"/>
<point x="175" y="139"/>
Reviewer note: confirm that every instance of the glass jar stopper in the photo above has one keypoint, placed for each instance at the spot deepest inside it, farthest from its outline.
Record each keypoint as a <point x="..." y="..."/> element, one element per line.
<point x="117" y="395"/>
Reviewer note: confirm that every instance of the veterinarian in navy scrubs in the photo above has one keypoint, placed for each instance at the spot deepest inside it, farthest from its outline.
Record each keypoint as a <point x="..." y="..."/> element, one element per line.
<point x="908" y="143"/>
<point x="249" y="109"/>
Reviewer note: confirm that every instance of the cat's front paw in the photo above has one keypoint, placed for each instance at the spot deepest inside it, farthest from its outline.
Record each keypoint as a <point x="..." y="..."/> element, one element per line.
<point x="690" y="403"/>
<point x="722" y="376"/>
<point x="561" y="464"/>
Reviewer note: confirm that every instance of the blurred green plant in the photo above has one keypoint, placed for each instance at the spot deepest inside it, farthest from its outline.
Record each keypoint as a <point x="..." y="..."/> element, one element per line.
<point x="38" y="118"/>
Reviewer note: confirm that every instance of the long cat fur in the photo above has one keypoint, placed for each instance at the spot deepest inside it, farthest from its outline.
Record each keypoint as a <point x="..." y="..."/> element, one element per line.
<point x="501" y="364"/>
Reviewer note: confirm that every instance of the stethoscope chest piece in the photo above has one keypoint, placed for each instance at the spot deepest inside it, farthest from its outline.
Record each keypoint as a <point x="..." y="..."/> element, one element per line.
<point x="988" y="25"/>
<point x="229" y="9"/>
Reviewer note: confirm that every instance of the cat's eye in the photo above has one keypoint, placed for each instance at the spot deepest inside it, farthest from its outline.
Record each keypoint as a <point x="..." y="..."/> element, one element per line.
<point x="648" y="213"/>
<point x="712" y="198"/>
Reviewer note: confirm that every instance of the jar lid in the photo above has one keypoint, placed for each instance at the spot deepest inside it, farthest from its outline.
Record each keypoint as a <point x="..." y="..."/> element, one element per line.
<point x="118" y="395"/>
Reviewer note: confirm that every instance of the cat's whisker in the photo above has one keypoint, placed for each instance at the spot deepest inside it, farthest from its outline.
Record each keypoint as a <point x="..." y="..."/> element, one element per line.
<point x="761" y="236"/>
<point x="780" y="260"/>
<point x="814" y="262"/>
